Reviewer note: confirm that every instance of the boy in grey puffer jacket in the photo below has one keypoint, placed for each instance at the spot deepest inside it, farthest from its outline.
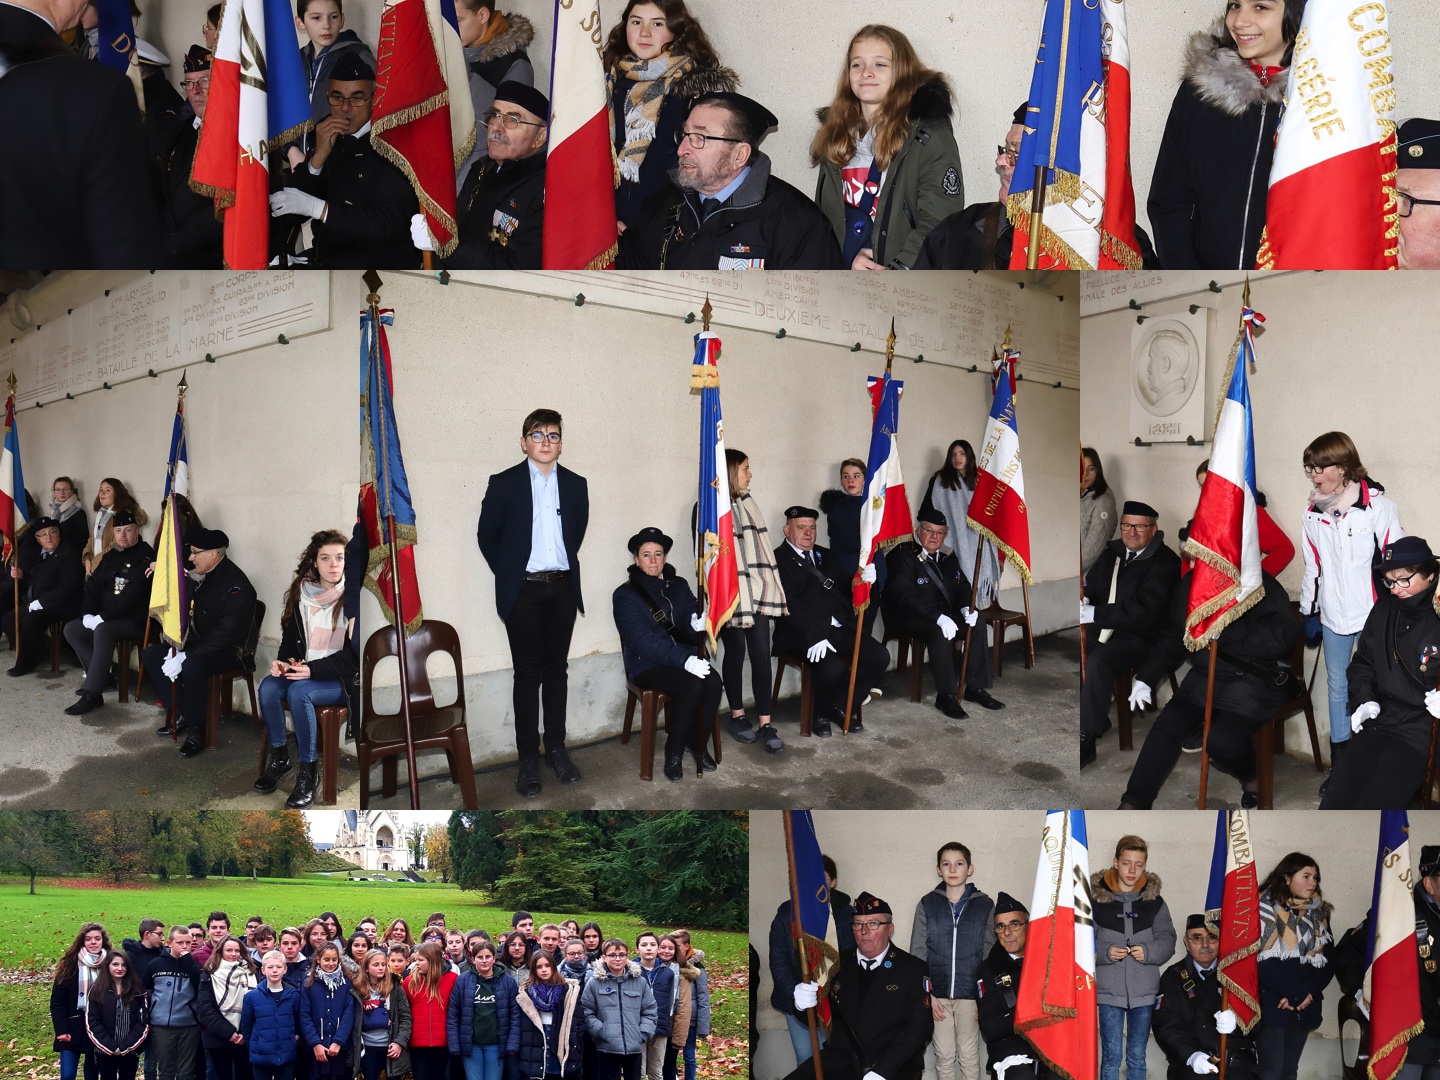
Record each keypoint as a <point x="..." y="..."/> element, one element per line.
<point x="1134" y="939"/>
<point x="618" y="1009"/>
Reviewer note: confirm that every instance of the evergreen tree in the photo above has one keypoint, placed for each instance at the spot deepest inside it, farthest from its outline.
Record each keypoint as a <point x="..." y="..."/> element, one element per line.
<point x="477" y="855"/>
<point x="685" y="868"/>
<point x="546" y="869"/>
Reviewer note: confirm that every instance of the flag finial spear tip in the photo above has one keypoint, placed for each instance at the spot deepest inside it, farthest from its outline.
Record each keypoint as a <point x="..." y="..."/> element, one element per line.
<point x="372" y="282"/>
<point x="184" y="383"/>
<point x="12" y="382"/>
<point x="1006" y="343"/>
<point x="890" y="345"/>
<point x="705" y="313"/>
<point x="1246" y="298"/>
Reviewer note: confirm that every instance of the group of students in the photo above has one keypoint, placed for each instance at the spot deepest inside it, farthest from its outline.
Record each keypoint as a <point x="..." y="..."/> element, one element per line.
<point x="310" y="1002"/>
<point x="1367" y="600"/>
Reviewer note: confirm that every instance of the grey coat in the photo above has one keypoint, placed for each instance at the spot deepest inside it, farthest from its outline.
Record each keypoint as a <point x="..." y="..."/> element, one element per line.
<point x="1098" y="522"/>
<point x="619" y="1013"/>
<point x="1127" y="919"/>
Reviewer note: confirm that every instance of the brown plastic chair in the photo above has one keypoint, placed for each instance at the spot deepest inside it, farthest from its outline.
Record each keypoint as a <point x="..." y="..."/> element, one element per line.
<point x="331" y="720"/>
<point x="1269" y="737"/>
<point x="1123" y="716"/>
<point x="651" y="702"/>
<point x="123" y="650"/>
<point x="807" y="691"/>
<point x="57" y="639"/>
<point x="998" y="618"/>
<point x="382" y="735"/>
<point x="903" y="646"/>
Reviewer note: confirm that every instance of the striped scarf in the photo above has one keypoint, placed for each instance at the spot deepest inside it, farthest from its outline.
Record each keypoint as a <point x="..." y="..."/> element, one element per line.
<point x="761" y="594"/>
<point x="653" y="80"/>
<point x="88" y="970"/>
<point x="231" y="981"/>
<point x="1296" y="931"/>
<point x="324" y="633"/>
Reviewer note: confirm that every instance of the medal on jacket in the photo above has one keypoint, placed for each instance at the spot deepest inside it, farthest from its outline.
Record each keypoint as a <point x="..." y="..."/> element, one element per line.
<point x="1428" y="653"/>
<point x="121" y="582"/>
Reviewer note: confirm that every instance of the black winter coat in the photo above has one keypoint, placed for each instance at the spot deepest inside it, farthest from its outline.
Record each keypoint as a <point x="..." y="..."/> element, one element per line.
<point x="1207" y="197"/>
<point x="501" y="216"/>
<point x="58" y="582"/>
<point x="370" y="205"/>
<point x="342" y="665"/>
<point x="997" y="984"/>
<point x="66" y="1016"/>
<point x="784" y="955"/>
<point x="765" y="224"/>
<point x="881" y="1021"/>
<point x="119" y="589"/>
<point x="1142" y="593"/>
<point x="1263" y="637"/>
<point x="645" y="643"/>
<point x="842" y="521"/>
<point x="221" y="609"/>
<point x="813" y="598"/>
<point x="215" y="1030"/>
<point x="565" y="1029"/>
<point x="914" y="598"/>
<point x="1399" y="636"/>
<point x="102" y="1012"/>
<point x="194" y="237"/>
<point x="1184" y="1022"/>
<point x="1288" y="978"/>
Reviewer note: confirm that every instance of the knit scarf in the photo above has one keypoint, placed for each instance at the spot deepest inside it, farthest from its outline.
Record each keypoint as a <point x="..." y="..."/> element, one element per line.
<point x="1294" y="931"/>
<point x="231" y="981"/>
<point x="1337" y="502"/>
<point x="102" y="515"/>
<point x="324" y="634"/>
<point x="498" y="25"/>
<point x="547" y="998"/>
<point x="761" y="594"/>
<point x="653" y="80"/>
<point x="333" y="980"/>
<point x="88" y="970"/>
<point x="62" y="510"/>
<point x="955" y="505"/>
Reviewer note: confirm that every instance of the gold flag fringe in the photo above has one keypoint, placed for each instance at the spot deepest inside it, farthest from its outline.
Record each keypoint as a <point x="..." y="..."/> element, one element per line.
<point x="404" y="537"/>
<point x="1011" y="556"/>
<point x="605" y="259"/>
<point x="288" y="136"/>
<point x="702" y="376"/>
<point x="1120" y="251"/>
<point x="1229" y="984"/>
<point x="1066" y="187"/>
<point x="394" y="157"/>
<point x="1400" y="1041"/>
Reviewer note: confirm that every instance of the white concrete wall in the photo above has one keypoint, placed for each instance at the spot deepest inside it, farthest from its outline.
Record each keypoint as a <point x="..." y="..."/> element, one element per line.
<point x="1337" y="353"/>
<point x="892" y="855"/>
<point x="789" y="56"/>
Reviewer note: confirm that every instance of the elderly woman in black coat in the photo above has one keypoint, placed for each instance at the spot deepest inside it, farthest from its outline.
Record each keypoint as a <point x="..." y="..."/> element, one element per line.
<point x="659" y="641"/>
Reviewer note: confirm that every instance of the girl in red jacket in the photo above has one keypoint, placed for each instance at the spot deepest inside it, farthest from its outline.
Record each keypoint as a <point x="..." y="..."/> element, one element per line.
<point x="428" y="988"/>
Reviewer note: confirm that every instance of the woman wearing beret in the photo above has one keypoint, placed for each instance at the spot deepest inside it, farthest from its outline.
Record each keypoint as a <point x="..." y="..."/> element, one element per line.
<point x="659" y="639"/>
<point x="1393" y="679"/>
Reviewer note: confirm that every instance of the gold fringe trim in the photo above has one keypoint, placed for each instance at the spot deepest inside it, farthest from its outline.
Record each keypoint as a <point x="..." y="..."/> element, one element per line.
<point x="1011" y="556"/>
<point x="1228" y="983"/>
<point x="289" y="135"/>
<point x="702" y="376"/>
<point x="1217" y="602"/>
<point x="1120" y="251"/>
<point x="1400" y="1042"/>
<point x="605" y="259"/>
<point x="394" y="157"/>
<point x="380" y="556"/>
<point x="1265" y="255"/>
<point x="1064" y="189"/>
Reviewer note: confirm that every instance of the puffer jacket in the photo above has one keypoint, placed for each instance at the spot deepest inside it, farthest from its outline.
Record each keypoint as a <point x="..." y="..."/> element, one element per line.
<point x="398" y="1007"/>
<point x="103" y="1011"/>
<point x="427" y="1014"/>
<point x="953" y="950"/>
<point x="1098" y="522"/>
<point x="1340" y="553"/>
<point x="685" y="987"/>
<point x="1126" y="919"/>
<point x="700" y="1014"/>
<point x="661" y="978"/>
<point x="270" y="1023"/>
<point x="920" y="189"/>
<point x="535" y="1041"/>
<point x="1212" y="174"/>
<point x="619" y="1012"/>
<point x="326" y="1016"/>
<point x="460" y="1013"/>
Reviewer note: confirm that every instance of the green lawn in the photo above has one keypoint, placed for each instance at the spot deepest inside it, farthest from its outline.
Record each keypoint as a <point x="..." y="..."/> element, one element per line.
<point x="35" y="930"/>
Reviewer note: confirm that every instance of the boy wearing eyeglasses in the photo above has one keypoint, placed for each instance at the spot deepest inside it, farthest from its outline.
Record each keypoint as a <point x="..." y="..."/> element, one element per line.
<point x="532" y="523"/>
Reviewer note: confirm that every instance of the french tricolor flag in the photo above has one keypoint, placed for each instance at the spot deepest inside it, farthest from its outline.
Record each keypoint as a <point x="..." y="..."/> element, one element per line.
<point x="1225" y="537"/>
<point x="997" y="509"/>
<point x="1056" y="1010"/>
<point x="885" y="514"/>
<point x="714" y="522"/>
<point x="14" y="513"/>
<point x="1232" y="914"/>
<point x="1392" y="973"/>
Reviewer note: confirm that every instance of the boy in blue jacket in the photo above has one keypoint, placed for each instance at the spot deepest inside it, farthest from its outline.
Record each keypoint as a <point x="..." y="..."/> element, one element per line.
<point x="270" y="1022"/>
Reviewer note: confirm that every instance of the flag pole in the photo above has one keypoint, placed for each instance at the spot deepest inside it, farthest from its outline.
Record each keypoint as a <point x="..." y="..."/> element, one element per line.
<point x="1082" y="583"/>
<point x="798" y="935"/>
<point x="1037" y="212"/>
<point x="1430" y="764"/>
<point x="15" y="555"/>
<point x="372" y="280"/>
<point x="182" y="386"/>
<point x="1224" y="1004"/>
<point x="1205" y="738"/>
<point x="860" y="612"/>
<point x="1003" y="372"/>
<point x="701" y="597"/>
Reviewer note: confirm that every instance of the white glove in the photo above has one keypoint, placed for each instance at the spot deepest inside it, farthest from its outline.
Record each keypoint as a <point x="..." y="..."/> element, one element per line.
<point x="420" y="233"/>
<point x="868" y="574"/>
<point x="1225" y="1021"/>
<point x="697" y="667"/>
<point x="970" y="615"/>
<point x="1432" y="703"/>
<point x="35" y="605"/>
<point x="697" y="622"/>
<point x="819" y="650"/>
<point x="1360" y="1001"/>
<point x="1087" y="613"/>
<point x="1140" y="695"/>
<point x="1010" y="1062"/>
<point x="1368" y="711"/>
<point x="834" y="621"/>
<point x="947" y="627"/>
<point x="806" y="995"/>
<point x="872" y="1075"/>
<point x="294" y="201"/>
<point x="1200" y="1063"/>
<point x="91" y="621"/>
<point x="172" y="665"/>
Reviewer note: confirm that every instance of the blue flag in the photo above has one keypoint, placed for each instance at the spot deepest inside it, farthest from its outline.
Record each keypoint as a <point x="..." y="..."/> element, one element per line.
<point x="813" y="894"/>
<point x="287" y="95"/>
<point x="116" y="38"/>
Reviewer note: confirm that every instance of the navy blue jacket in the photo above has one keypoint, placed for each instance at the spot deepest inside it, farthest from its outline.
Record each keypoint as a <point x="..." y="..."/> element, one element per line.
<point x="326" y="1017"/>
<point x="644" y="643"/>
<point x="785" y="955"/>
<point x="662" y="984"/>
<point x="842" y="516"/>
<point x="504" y="530"/>
<point x="270" y="1024"/>
<point x="460" y="1013"/>
<point x="953" y="950"/>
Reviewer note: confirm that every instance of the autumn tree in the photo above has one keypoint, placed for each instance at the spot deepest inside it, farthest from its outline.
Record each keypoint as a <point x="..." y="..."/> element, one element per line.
<point x="27" y="844"/>
<point x="219" y="839"/>
<point x="116" y="841"/>
<point x="437" y="851"/>
<point x="256" y="828"/>
<point x="290" y="846"/>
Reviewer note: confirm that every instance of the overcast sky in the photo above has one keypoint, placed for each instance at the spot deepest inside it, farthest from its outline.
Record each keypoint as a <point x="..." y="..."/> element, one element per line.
<point x="324" y="824"/>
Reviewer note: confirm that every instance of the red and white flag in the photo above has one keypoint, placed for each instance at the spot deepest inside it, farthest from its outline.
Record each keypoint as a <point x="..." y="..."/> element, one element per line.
<point x="424" y="118"/>
<point x="1332" y="204"/>
<point x="885" y="518"/>
<point x="997" y="509"/>
<point x="714" y="523"/>
<point x="1056" y="1009"/>
<point x="580" y="170"/>
<point x="1232" y="914"/>
<point x="1392" y="977"/>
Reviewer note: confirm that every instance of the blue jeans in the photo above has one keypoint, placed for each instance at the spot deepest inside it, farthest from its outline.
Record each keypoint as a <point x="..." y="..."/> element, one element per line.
<point x="1280" y="1048"/>
<point x="688" y="1054"/>
<point x="800" y="1037"/>
<point x="482" y="1063"/>
<point x="1117" y="1043"/>
<point x="70" y="1064"/>
<point x="1338" y="648"/>
<point x="303" y="697"/>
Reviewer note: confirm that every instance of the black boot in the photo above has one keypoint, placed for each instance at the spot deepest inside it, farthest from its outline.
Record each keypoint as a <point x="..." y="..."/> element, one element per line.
<point x="1337" y="750"/>
<point x="85" y="703"/>
<point x="193" y="743"/>
<point x="674" y="767"/>
<point x="276" y="769"/>
<point x="304" y="793"/>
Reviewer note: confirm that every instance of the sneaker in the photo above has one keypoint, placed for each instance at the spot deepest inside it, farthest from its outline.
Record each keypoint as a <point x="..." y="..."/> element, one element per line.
<point x="770" y="739"/>
<point x="740" y="730"/>
<point x="1193" y="742"/>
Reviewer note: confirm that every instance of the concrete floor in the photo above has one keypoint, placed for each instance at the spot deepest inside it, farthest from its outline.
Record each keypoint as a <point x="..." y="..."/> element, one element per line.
<point x="111" y="759"/>
<point x="908" y="757"/>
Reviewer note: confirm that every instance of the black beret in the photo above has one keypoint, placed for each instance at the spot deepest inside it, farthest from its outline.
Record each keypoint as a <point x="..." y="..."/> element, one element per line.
<point x="1004" y="903"/>
<point x="649" y="535"/>
<point x="527" y="97"/>
<point x="206" y="539"/>
<point x="865" y="904"/>
<point x="1419" y="144"/>
<point x="761" y="119"/>
<point x="1407" y="551"/>
<point x="351" y="68"/>
<point x="932" y="516"/>
<point x="43" y="523"/>
<point x="1139" y="509"/>
<point x="197" y="59"/>
<point x="792" y="512"/>
<point x="122" y="517"/>
<point x="1429" y="860"/>
<point x="1195" y="922"/>
<point x="1020" y="112"/>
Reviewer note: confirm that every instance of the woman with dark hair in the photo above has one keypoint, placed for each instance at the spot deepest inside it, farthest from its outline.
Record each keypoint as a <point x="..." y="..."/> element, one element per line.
<point x="117" y="1018"/>
<point x="315" y="666"/>
<point x="1348" y="521"/>
<point x="592" y="935"/>
<point x="224" y="981"/>
<point x="110" y="498"/>
<point x="75" y="975"/>
<point x="1098" y="519"/>
<point x="1207" y="196"/>
<point x="889" y="166"/>
<point x="1294" y="963"/>
<point x="514" y="958"/>
<point x="950" y="489"/>
<point x="399" y="930"/>
<point x="1393" y="679"/>
<point x="841" y="507"/>
<point x="657" y="60"/>
<point x="333" y="929"/>
<point x="550" y="1027"/>
<point x="660" y="630"/>
<point x="354" y="955"/>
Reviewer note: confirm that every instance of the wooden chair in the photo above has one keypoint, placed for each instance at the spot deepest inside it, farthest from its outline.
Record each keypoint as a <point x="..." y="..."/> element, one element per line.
<point x="998" y="618"/>
<point x="123" y="651"/>
<point x="807" y="690"/>
<point x="1123" y="715"/>
<point x="433" y="727"/>
<point x="57" y="642"/>
<point x="651" y="702"/>
<point x="1348" y="1012"/>
<point x="1269" y="737"/>
<point x="904" y="645"/>
<point x="218" y="693"/>
<point x="331" y="720"/>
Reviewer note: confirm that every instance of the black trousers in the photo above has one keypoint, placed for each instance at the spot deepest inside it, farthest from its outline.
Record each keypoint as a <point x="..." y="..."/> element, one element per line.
<point x="1381" y="771"/>
<point x="194" y="682"/>
<point x="539" y="628"/>
<point x="1103" y="665"/>
<point x="693" y="697"/>
<point x="1229" y="747"/>
<point x="99" y="644"/>
<point x="941" y="654"/>
<point x="117" y="1068"/>
<point x="756" y="641"/>
<point x="33" y="625"/>
<point x="831" y="676"/>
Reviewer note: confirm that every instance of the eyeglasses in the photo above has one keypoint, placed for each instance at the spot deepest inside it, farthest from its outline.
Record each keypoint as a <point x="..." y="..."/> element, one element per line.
<point x="1008" y="154"/>
<point x="867" y="924"/>
<point x="697" y="140"/>
<point x="614" y="955"/>
<point x="353" y="101"/>
<point x="538" y="437"/>
<point x="1313" y="470"/>
<point x="510" y="120"/>
<point x="1134" y="528"/>
<point x="1397" y="582"/>
<point x="1408" y="202"/>
<point x="1009" y="927"/>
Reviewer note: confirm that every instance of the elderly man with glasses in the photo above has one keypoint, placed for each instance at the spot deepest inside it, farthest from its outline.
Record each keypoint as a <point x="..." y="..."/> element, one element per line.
<point x="997" y="983"/>
<point x="1189" y="1021"/>
<point x="880" y="1020"/>
<point x="194" y="238"/>
<point x="1417" y="190"/>
<point x="1127" y="593"/>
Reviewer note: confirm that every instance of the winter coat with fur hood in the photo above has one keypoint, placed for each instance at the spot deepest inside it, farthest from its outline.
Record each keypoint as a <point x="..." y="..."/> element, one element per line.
<point x="921" y="188"/>
<point x="1207" y="197"/>
<point x="1126" y="919"/>
<point x="501" y="59"/>
<point x="619" y="1012"/>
